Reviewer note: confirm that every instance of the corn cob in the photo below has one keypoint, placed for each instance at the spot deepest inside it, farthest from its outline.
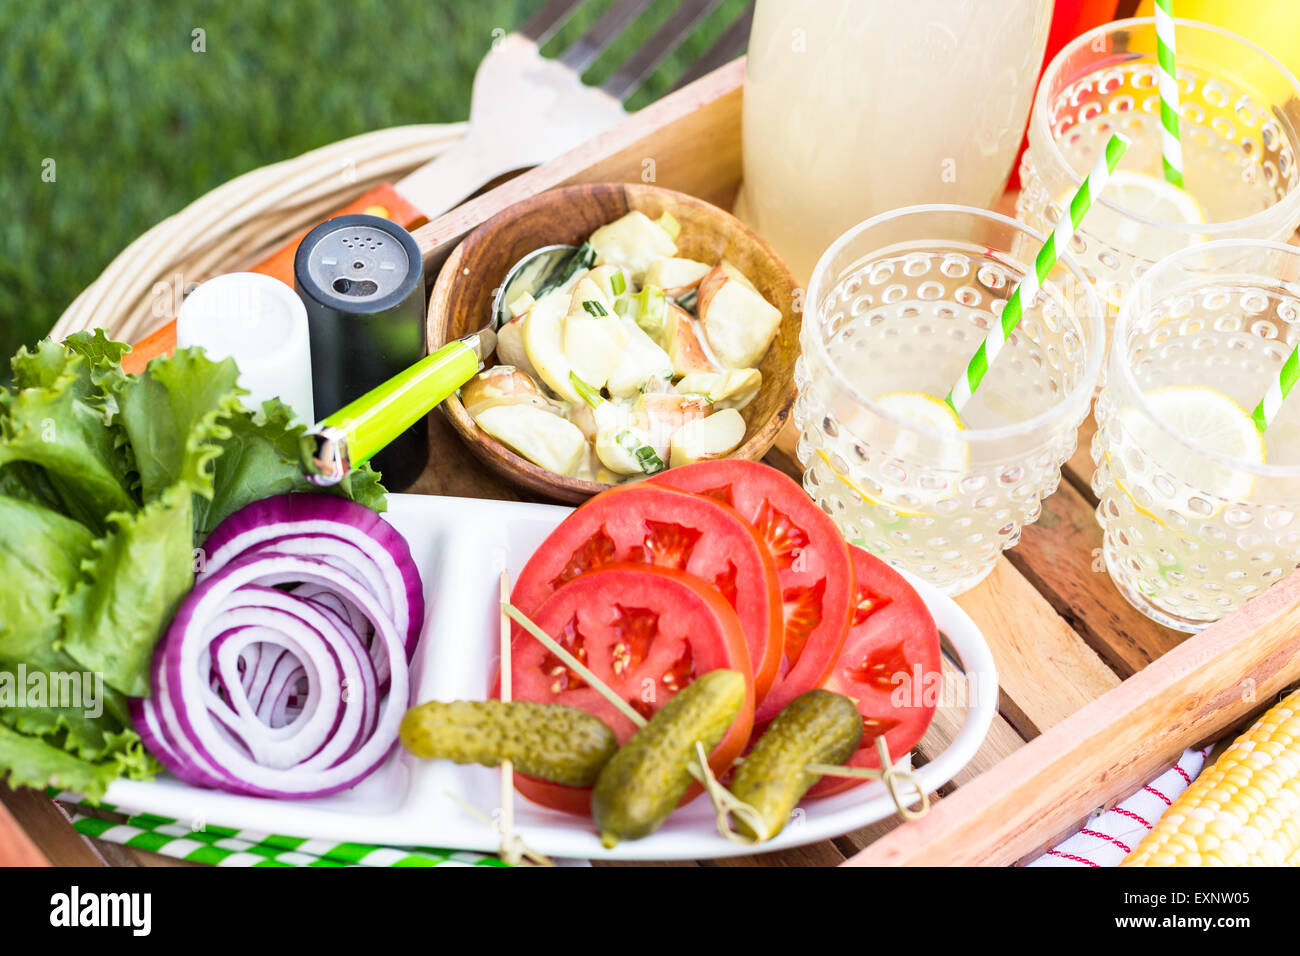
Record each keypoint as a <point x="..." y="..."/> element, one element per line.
<point x="1244" y="810"/>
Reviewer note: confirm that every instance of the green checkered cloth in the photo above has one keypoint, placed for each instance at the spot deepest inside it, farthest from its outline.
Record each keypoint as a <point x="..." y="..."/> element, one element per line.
<point x="224" y="846"/>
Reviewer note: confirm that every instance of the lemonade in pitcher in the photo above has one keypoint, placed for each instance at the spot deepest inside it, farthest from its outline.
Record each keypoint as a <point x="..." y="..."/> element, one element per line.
<point x="853" y="107"/>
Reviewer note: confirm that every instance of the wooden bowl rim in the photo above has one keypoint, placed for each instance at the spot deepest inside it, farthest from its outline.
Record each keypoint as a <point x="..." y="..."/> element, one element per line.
<point x="513" y="465"/>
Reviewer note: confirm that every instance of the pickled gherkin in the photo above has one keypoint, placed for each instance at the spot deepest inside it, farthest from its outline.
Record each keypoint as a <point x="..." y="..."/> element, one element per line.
<point x="650" y="774"/>
<point x="557" y="743"/>
<point x="817" y="727"/>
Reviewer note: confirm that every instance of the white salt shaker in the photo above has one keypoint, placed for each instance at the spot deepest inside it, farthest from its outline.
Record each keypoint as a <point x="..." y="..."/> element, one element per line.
<point x="261" y="323"/>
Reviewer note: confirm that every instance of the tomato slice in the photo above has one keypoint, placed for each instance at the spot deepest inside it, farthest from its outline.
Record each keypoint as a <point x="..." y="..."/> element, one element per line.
<point x="812" y="563"/>
<point x="644" y="524"/>
<point x="645" y="631"/>
<point x="890" y="665"/>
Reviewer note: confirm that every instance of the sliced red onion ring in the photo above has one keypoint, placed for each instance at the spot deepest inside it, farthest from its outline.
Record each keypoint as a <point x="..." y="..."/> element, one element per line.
<point x="344" y="555"/>
<point x="144" y="716"/>
<point x="298" y="692"/>
<point x="284" y="672"/>
<point x="326" y="598"/>
<point x="287" y="630"/>
<point x="295" y="518"/>
<point x="364" y="631"/>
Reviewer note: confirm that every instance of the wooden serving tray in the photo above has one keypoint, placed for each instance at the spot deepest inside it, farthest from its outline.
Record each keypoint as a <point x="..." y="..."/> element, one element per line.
<point x="1095" y="699"/>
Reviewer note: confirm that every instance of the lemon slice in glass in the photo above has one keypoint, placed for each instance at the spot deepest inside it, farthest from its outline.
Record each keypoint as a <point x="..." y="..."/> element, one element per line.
<point x="1154" y="198"/>
<point x="920" y="409"/>
<point x="1149" y="197"/>
<point x="1212" y="421"/>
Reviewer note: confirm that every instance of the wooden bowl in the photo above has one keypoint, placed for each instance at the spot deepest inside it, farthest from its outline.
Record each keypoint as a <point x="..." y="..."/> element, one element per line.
<point x="461" y="302"/>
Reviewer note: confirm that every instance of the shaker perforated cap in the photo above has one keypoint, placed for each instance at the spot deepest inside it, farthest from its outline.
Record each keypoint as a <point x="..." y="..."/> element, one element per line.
<point x="358" y="264"/>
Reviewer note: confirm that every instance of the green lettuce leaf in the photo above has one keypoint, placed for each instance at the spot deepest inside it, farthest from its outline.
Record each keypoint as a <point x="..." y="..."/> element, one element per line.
<point x="27" y="482"/>
<point x="32" y="762"/>
<point x="133" y="584"/>
<point x="40" y="560"/>
<point x="55" y="418"/>
<point x="260" y="457"/>
<point x="89" y="723"/>
<point x="104" y="356"/>
<point x="363" y="486"/>
<point x="102" y="353"/>
<point x="173" y="414"/>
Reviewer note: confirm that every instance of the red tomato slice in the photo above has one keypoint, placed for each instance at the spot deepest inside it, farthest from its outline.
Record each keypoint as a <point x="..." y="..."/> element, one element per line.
<point x="890" y="665"/>
<point x="812" y="562"/>
<point x="643" y="524"/>
<point x="645" y="631"/>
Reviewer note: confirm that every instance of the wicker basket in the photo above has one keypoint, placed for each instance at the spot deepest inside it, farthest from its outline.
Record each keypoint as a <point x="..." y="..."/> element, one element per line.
<point x="239" y="224"/>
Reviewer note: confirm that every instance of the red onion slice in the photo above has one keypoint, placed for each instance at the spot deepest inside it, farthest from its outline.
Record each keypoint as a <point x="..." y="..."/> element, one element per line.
<point x="326" y="598"/>
<point x="299" y="517"/>
<point x="344" y="555"/>
<point x="237" y="623"/>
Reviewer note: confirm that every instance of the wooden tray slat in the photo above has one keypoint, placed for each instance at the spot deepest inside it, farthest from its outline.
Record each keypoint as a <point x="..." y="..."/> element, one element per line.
<point x="814" y="854"/>
<point x="16" y="845"/>
<point x="853" y="843"/>
<point x="50" y="837"/>
<point x="1002" y="739"/>
<point x="1044" y="671"/>
<point x="1079" y="468"/>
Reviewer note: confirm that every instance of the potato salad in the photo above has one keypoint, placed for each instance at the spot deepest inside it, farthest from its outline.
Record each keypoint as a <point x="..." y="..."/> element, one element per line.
<point x="627" y="358"/>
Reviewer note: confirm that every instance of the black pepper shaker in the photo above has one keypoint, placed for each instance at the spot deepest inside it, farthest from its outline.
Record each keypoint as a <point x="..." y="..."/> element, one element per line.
<point x="362" y="280"/>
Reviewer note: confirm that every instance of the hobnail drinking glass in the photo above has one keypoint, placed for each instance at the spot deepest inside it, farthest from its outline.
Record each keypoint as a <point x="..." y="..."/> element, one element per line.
<point x="899" y="304"/>
<point x="1240" y="112"/>
<point x="1192" y="533"/>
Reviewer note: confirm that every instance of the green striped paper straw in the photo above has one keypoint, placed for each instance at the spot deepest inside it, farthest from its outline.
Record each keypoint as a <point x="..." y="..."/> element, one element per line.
<point x="1278" y="390"/>
<point x="213" y="851"/>
<point x="1025" y="293"/>
<point x="226" y="846"/>
<point x="1171" y="142"/>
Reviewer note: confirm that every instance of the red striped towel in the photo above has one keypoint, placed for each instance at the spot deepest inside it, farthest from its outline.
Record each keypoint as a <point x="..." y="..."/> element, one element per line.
<point x="1109" y="837"/>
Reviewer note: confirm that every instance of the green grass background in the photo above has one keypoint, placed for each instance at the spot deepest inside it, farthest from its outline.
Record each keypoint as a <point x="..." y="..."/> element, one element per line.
<point x="138" y="125"/>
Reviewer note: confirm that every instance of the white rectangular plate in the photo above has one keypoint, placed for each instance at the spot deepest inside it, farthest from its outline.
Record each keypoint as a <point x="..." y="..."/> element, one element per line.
<point x="460" y="545"/>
